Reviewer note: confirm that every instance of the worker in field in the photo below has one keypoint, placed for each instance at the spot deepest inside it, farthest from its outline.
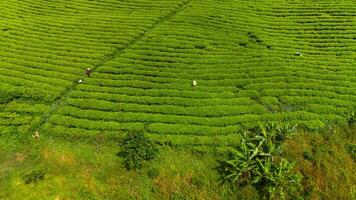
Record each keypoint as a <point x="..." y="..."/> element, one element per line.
<point x="88" y="72"/>
<point x="194" y="83"/>
<point x="299" y="53"/>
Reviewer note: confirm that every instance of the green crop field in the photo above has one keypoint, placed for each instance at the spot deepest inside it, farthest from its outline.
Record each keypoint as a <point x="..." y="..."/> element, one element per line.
<point x="144" y="56"/>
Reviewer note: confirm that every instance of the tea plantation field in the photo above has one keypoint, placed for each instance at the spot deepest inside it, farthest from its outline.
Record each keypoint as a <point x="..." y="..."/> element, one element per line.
<point x="144" y="55"/>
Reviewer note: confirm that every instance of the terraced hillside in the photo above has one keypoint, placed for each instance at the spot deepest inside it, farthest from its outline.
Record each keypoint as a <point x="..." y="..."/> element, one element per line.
<point x="146" y="53"/>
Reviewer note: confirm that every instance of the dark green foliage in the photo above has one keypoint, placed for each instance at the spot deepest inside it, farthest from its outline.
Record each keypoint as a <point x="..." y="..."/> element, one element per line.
<point x="352" y="118"/>
<point x="152" y="172"/>
<point x="352" y="150"/>
<point x="279" y="180"/>
<point x="257" y="162"/>
<point x="254" y="38"/>
<point x="201" y="45"/>
<point x="7" y="94"/>
<point x="243" y="43"/>
<point x="34" y="176"/>
<point x="136" y="149"/>
<point x="307" y="155"/>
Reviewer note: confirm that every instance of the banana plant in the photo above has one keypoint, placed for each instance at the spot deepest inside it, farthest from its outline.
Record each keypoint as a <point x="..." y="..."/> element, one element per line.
<point x="278" y="178"/>
<point x="241" y="166"/>
<point x="254" y="163"/>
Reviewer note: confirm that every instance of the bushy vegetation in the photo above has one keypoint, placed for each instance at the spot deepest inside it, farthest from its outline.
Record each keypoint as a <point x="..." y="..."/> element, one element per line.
<point x="136" y="149"/>
<point x="34" y="176"/>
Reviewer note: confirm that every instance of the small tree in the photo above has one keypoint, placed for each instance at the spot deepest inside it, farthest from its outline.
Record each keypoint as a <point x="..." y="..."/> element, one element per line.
<point x="136" y="149"/>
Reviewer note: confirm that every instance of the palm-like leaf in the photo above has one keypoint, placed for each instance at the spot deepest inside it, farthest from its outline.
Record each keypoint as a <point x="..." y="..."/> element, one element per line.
<point x="256" y="161"/>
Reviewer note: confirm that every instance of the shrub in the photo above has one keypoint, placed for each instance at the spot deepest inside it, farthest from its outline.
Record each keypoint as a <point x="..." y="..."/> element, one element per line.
<point x="201" y="45"/>
<point x="351" y="148"/>
<point x="351" y="118"/>
<point x="152" y="172"/>
<point x="34" y="176"/>
<point x="136" y="149"/>
<point x="307" y="155"/>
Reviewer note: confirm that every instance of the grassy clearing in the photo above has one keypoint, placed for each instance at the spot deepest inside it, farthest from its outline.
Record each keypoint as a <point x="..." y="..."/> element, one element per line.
<point x="91" y="170"/>
<point x="326" y="163"/>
